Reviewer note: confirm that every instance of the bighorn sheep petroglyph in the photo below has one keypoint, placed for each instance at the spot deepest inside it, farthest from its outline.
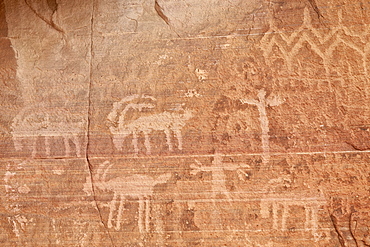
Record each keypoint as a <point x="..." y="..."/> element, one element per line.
<point x="34" y="122"/>
<point x="138" y="187"/>
<point x="167" y="122"/>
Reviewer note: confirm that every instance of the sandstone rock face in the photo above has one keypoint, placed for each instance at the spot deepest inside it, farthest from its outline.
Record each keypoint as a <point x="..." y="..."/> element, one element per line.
<point x="184" y="123"/>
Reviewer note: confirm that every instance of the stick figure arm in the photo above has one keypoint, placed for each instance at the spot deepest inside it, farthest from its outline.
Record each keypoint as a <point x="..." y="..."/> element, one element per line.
<point x="199" y="168"/>
<point x="233" y="166"/>
<point x="195" y="169"/>
<point x="274" y="101"/>
<point x="249" y="101"/>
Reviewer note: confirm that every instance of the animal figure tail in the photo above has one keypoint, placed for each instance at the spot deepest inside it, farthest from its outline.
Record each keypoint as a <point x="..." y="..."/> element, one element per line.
<point x="163" y="178"/>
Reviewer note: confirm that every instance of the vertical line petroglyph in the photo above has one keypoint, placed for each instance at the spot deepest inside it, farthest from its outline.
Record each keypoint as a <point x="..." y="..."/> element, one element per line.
<point x="262" y="103"/>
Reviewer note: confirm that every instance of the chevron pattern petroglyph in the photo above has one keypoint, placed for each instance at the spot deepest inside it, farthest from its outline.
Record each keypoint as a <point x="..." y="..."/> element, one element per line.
<point x="323" y="44"/>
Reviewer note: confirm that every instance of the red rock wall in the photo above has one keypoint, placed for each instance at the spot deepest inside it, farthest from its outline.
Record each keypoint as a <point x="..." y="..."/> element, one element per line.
<point x="184" y="123"/>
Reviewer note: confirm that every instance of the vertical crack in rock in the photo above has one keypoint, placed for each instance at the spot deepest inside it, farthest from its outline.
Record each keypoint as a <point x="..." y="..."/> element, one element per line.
<point x="53" y="5"/>
<point x="160" y="13"/>
<point x="50" y="22"/>
<point x="337" y="230"/>
<point x="136" y="23"/>
<point x="89" y="166"/>
<point x="315" y="8"/>
<point x="352" y="229"/>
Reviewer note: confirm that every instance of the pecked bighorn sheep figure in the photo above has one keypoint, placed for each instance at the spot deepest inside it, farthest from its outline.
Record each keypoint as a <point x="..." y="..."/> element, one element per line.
<point x="34" y="122"/>
<point x="138" y="187"/>
<point x="168" y="122"/>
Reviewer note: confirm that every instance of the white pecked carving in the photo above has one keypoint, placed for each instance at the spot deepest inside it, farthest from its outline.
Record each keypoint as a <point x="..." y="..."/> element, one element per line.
<point x="167" y="122"/>
<point x="38" y="121"/>
<point x="138" y="187"/>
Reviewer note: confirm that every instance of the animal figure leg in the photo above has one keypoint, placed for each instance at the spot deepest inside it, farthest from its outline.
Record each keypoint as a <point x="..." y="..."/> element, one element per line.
<point x="140" y="222"/>
<point x="306" y="223"/>
<point x="77" y="144"/>
<point x="159" y="224"/>
<point x="147" y="215"/>
<point x="134" y="142"/>
<point x="34" y="147"/>
<point x="120" y="213"/>
<point x="17" y="141"/>
<point x="314" y="224"/>
<point x="275" y="215"/>
<point x="168" y="139"/>
<point x="112" y="209"/>
<point x="47" y="145"/>
<point x="228" y="196"/>
<point x="147" y="143"/>
<point x="66" y="145"/>
<point x="284" y="217"/>
<point x="178" y="136"/>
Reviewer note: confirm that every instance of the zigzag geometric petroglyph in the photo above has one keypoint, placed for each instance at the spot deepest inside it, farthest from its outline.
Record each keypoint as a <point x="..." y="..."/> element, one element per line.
<point x="322" y="43"/>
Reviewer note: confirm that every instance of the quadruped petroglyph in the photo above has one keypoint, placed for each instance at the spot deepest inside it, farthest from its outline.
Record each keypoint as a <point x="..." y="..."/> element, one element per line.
<point x="138" y="187"/>
<point x="251" y="129"/>
<point x="40" y="121"/>
<point x="167" y="122"/>
<point x="277" y="204"/>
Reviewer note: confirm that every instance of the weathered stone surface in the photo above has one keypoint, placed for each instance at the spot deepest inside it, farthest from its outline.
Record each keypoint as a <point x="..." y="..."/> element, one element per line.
<point x="184" y="123"/>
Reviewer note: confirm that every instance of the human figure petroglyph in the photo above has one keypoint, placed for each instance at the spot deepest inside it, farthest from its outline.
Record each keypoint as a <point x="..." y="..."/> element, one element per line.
<point x="34" y="122"/>
<point x="138" y="187"/>
<point x="262" y="103"/>
<point x="20" y="223"/>
<point x="167" y="122"/>
<point x="15" y="189"/>
<point x="218" y="180"/>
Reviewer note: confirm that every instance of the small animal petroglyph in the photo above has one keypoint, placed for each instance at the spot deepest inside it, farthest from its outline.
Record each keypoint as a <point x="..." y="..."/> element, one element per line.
<point x="34" y="122"/>
<point x="192" y="93"/>
<point x="167" y="122"/>
<point x="262" y="103"/>
<point x="139" y="187"/>
<point x="20" y="223"/>
<point x="201" y="74"/>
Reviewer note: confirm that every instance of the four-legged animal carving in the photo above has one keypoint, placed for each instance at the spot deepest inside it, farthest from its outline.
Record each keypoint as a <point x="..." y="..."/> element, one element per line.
<point x="139" y="187"/>
<point x="282" y="202"/>
<point x="166" y="121"/>
<point x="36" y="122"/>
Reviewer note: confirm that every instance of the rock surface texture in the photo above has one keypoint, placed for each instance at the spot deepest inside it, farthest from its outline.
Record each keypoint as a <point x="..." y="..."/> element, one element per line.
<point x="184" y="123"/>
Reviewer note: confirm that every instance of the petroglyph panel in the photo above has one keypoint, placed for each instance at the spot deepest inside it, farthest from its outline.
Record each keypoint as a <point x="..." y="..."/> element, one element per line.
<point x="153" y="200"/>
<point x="159" y="201"/>
<point x="43" y="202"/>
<point x="184" y="123"/>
